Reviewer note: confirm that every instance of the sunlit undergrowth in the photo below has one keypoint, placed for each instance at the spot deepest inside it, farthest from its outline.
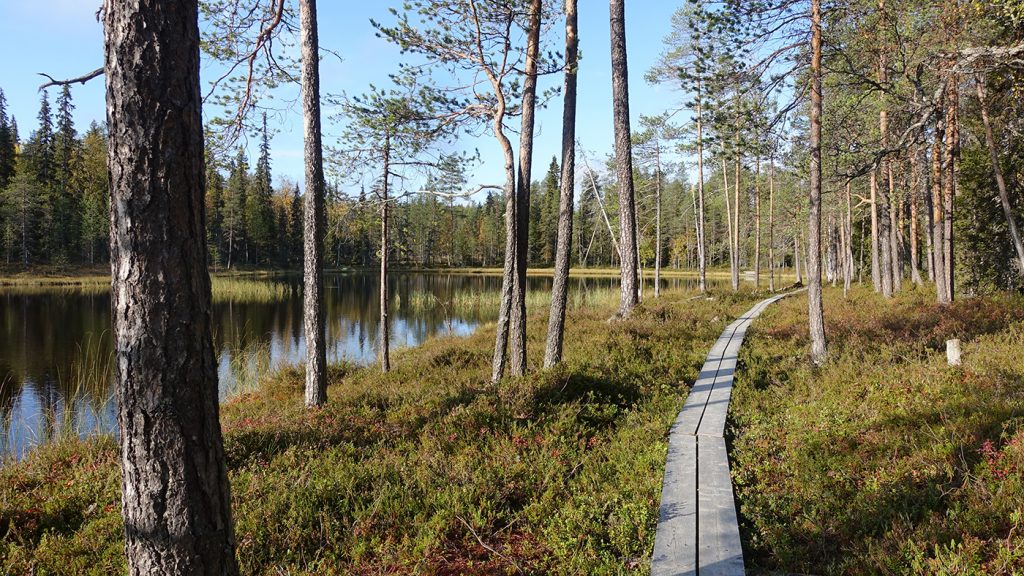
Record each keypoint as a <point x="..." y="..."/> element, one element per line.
<point x="428" y="469"/>
<point x="887" y="460"/>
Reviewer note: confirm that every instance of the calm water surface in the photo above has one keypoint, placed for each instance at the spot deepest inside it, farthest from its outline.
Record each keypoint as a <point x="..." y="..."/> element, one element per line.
<point x="56" y="345"/>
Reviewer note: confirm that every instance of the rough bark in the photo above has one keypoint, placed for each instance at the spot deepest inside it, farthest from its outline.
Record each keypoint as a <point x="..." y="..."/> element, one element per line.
<point x="563" y="250"/>
<point x="314" y="217"/>
<point x="997" y="170"/>
<point x="176" y="504"/>
<point x="623" y="159"/>
<point x="814" y="303"/>
<point x="517" y="335"/>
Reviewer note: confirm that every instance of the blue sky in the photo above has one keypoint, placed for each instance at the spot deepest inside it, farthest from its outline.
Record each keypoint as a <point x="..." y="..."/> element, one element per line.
<point x="62" y="38"/>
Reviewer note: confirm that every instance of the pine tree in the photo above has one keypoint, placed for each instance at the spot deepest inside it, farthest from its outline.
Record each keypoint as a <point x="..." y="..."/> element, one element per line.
<point x="234" y="231"/>
<point x="66" y="202"/>
<point x="7" y="145"/>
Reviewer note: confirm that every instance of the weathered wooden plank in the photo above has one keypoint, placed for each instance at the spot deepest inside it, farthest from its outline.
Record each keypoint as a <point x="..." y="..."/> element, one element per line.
<point x="718" y="541"/>
<point x="675" y="543"/>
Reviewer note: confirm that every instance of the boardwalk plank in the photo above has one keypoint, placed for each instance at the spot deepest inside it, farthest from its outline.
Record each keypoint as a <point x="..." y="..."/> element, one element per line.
<point x="675" y="543"/>
<point x="719" y="547"/>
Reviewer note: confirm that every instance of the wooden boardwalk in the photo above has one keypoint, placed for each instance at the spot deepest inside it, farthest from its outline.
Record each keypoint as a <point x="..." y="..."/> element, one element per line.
<point x="698" y="533"/>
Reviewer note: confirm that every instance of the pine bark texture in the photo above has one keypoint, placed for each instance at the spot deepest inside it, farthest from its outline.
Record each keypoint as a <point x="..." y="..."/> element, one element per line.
<point x="176" y="503"/>
<point x="814" y="302"/>
<point x="314" y="216"/>
<point x="517" y="337"/>
<point x="563" y="250"/>
<point x="623" y="159"/>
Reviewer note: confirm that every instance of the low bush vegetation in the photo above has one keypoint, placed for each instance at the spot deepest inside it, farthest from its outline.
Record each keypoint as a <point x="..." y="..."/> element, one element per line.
<point x="428" y="469"/>
<point x="886" y="460"/>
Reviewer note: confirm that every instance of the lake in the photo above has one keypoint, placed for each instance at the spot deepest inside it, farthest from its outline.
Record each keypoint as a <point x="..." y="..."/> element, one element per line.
<point x="56" y="345"/>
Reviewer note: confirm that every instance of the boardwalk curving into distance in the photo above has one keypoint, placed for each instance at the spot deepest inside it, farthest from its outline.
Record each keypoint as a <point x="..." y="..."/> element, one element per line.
<point x="698" y="533"/>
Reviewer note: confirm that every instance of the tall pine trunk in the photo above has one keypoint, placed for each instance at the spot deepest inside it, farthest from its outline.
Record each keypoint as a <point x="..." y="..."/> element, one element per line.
<point x="176" y="504"/>
<point x="385" y="245"/>
<point x="917" y="188"/>
<point x="814" y="301"/>
<point x="701" y="242"/>
<point x="517" y="337"/>
<point x="757" y="224"/>
<point x="771" y="224"/>
<point x="657" y="220"/>
<point x="623" y="159"/>
<point x="559" y="290"/>
<point x="938" y="228"/>
<point x="314" y="217"/>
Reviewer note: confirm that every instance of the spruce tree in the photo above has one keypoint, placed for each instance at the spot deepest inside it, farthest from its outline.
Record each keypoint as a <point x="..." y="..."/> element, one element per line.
<point x="66" y="204"/>
<point x="7" y="145"/>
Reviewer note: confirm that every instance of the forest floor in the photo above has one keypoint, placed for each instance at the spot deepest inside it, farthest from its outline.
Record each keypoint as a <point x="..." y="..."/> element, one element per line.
<point x="887" y="460"/>
<point x="428" y="469"/>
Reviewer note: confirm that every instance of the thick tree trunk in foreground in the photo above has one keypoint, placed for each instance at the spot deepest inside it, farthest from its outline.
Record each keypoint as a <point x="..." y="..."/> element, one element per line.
<point x="1004" y="197"/>
<point x="559" y="290"/>
<point x="175" y="499"/>
<point x="623" y="158"/>
<point x="814" y="303"/>
<point x="517" y="337"/>
<point x="314" y="217"/>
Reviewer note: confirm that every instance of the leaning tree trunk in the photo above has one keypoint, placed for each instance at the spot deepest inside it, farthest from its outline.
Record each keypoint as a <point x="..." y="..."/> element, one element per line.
<point x="814" y="302"/>
<point x="559" y="290"/>
<point x="314" y="216"/>
<point x="175" y="502"/>
<point x="517" y="335"/>
<point x="623" y="159"/>
<point x="508" y="270"/>
<point x="1004" y="197"/>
